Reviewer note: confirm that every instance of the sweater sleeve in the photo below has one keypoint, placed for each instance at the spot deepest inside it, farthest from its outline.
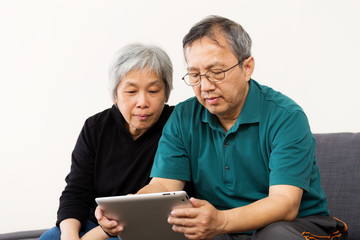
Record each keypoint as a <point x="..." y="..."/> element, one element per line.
<point x="78" y="196"/>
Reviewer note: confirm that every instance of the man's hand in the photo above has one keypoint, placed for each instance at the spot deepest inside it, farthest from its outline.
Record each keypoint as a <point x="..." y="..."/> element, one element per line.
<point x="203" y="221"/>
<point x="110" y="226"/>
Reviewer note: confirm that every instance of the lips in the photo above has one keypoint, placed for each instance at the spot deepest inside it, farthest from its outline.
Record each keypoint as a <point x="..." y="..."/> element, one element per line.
<point x="212" y="100"/>
<point x="142" y="117"/>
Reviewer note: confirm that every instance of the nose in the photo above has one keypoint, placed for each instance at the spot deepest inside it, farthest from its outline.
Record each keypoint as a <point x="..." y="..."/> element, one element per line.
<point x="205" y="84"/>
<point x="142" y="101"/>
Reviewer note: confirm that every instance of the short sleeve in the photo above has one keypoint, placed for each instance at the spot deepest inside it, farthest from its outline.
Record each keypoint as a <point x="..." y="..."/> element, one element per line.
<point x="292" y="151"/>
<point x="171" y="159"/>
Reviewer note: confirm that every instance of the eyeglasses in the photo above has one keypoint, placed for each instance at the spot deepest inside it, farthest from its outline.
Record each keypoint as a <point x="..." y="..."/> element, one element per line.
<point x="213" y="75"/>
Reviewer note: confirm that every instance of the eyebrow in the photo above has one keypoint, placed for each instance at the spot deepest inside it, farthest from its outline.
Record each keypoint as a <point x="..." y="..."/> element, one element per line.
<point x="156" y="82"/>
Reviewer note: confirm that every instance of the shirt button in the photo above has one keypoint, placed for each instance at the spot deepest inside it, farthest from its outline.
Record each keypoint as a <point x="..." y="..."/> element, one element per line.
<point x="227" y="168"/>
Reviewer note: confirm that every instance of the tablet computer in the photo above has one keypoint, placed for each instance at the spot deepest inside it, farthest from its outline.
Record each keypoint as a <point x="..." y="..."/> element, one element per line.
<point x="144" y="216"/>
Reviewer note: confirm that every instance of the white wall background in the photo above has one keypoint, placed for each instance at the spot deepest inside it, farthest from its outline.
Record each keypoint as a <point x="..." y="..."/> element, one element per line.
<point x="53" y="75"/>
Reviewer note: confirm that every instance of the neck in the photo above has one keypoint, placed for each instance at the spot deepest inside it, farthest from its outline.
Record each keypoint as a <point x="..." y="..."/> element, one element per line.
<point x="228" y="120"/>
<point x="227" y="124"/>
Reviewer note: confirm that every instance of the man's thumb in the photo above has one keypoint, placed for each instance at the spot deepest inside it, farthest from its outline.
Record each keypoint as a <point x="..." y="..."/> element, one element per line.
<point x="197" y="202"/>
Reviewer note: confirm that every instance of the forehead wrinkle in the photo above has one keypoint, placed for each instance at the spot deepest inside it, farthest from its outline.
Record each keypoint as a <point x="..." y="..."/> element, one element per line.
<point x="212" y="37"/>
<point x="208" y="66"/>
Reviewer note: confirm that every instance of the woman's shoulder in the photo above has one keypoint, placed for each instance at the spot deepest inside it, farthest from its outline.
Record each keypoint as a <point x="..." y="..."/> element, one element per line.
<point x="164" y="115"/>
<point x="168" y="109"/>
<point x="99" y="118"/>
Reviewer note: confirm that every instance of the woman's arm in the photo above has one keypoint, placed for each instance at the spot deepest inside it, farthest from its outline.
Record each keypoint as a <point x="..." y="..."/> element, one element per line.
<point x="70" y="229"/>
<point x="78" y="196"/>
<point x="95" y="233"/>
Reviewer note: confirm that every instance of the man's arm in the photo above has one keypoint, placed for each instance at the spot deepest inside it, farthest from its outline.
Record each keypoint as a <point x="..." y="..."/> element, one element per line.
<point x="162" y="185"/>
<point x="282" y="203"/>
<point x="204" y="221"/>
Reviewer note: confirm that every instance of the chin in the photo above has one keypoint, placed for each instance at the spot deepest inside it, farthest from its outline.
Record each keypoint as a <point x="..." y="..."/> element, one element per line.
<point x="212" y="108"/>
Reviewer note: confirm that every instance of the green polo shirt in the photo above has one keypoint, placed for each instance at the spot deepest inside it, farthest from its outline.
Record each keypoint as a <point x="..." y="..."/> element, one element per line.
<point x="270" y="144"/>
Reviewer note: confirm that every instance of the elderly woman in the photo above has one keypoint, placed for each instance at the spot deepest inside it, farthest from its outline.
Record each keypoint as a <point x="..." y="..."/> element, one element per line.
<point x="115" y="150"/>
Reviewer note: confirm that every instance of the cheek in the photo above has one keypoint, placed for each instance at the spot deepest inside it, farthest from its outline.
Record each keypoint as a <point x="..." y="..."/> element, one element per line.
<point x="125" y="110"/>
<point x="125" y="105"/>
<point x="197" y="90"/>
<point x="123" y="99"/>
<point x="158" y="105"/>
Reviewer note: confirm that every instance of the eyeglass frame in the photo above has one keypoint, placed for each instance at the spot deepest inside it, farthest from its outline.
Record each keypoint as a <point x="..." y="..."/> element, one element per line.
<point x="207" y="77"/>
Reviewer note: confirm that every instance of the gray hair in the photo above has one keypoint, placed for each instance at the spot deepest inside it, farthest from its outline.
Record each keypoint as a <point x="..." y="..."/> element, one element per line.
<point x="238" y="39"/>
<point x="139" y="56"/>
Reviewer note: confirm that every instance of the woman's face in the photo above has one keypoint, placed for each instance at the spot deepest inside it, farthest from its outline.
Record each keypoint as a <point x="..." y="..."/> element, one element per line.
<point x="140" y="97"/>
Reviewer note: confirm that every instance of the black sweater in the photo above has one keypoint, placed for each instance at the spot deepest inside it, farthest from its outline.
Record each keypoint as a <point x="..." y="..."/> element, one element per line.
<point x="107" y="161"/>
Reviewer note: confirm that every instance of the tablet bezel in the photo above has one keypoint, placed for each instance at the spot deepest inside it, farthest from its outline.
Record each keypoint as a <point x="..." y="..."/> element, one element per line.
<point x="144" y="216"/>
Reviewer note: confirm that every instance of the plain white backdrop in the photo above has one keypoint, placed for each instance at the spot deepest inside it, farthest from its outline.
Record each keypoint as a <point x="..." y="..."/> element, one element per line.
<point x="54" y="56"/>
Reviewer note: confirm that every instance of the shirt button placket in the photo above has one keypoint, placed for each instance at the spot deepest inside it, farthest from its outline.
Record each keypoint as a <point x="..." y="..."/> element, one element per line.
<point x="227" y="168"/>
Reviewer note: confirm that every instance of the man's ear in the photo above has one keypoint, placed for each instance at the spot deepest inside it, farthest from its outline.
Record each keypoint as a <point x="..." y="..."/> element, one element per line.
<point x="248" y="66"/>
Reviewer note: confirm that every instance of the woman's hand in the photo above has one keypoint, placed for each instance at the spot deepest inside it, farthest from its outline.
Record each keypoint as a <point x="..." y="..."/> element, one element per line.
<point x="110" y="226"/>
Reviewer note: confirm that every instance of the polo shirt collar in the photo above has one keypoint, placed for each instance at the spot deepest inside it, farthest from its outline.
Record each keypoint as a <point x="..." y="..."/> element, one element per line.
<point x="249" y="113"/>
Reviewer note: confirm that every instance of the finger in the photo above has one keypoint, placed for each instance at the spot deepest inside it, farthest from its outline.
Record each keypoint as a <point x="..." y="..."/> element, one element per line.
<point x="108" y="224"/>
<point x="196" y="203"/>
<point x="184" y="213"/>
<point x="113" y="229"/>
<point x="191" y="236"/>
<point x="190" y="231"/>
<point x="117" y="230"/>
<point x="98" y="213"/>
<point x="184" y="222"/>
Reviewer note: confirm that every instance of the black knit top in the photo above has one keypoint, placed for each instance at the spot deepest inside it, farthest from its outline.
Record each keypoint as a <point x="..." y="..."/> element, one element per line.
<point x="107" y="161"/>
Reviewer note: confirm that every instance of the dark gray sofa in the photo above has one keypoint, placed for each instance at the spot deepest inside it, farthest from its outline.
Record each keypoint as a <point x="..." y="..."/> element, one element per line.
<point x="338" y="156"/>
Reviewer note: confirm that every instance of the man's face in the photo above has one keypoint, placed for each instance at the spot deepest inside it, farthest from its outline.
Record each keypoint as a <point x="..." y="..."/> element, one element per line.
<point x="225" y="98"/>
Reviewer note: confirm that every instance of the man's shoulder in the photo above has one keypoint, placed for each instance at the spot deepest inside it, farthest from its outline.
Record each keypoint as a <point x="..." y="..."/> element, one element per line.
<point x="190" y="102"/>
<point x="186" y="112"/>
<point x="278" y="111"/>
<point x="276" y="100"/>
<point x="189" y="106"/>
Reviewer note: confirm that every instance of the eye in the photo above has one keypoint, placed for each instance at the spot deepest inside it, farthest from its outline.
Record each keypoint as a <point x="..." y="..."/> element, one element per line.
<point x="194" y="75"/>
<point x="153" y="91"/>
<point x="217" y="74"/>
<point x="216" y="71"/>
<point x="130" y="91"/>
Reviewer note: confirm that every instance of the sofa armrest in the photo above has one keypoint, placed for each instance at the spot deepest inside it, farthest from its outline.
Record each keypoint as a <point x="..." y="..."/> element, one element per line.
<point x="22" y="235"/>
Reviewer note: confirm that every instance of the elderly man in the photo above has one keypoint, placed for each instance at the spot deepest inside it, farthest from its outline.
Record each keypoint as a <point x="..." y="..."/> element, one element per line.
<point x="248" y="150"/>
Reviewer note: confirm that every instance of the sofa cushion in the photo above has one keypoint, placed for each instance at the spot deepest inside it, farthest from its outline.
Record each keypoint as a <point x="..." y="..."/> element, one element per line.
<point x="338" y="157"/>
